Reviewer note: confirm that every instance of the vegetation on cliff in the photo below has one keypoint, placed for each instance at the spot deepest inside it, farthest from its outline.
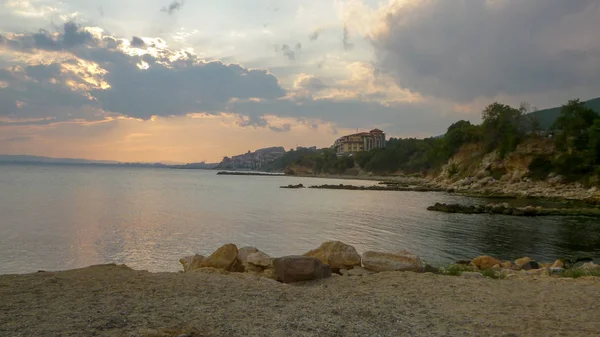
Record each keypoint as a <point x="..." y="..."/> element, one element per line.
<point x="569" y="148"/>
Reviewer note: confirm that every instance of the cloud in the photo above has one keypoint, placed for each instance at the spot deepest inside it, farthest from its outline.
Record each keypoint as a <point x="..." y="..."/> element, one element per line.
<point x="72" y="36"/>
<point x="315" y="35"/>
<point x="173" y="7"/>
<point x="346" y="39"/>
<point x="309" y="83"/>
<point x="137" y="42"/>
<point x="288" y="51"/>
<point x="284" y="128"/>
<point x="461" y="50"/>
<point x="18" y="139"/>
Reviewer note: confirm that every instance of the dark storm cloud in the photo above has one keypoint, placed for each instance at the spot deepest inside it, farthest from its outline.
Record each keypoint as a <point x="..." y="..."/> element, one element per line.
<point x="173" y="7"/>
<point x="464" y="49"/>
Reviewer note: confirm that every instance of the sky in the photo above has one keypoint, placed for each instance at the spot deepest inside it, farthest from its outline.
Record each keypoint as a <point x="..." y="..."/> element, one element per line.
<point x="195" y="80"/>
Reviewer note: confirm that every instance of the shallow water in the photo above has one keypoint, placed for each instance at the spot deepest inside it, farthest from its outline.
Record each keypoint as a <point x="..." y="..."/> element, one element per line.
<point x="63" y="217"/>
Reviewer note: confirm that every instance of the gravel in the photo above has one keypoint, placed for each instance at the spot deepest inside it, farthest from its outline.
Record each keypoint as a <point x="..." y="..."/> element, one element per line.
<point x="112" y="300"/>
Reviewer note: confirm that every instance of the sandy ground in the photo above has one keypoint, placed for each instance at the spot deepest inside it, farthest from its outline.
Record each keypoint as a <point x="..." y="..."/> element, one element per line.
<point x="117" y="301"/>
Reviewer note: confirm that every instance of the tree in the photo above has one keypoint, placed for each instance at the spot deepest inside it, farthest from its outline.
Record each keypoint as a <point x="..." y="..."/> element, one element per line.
<point x="503" y="127"/>
<point x="572" y="126"/>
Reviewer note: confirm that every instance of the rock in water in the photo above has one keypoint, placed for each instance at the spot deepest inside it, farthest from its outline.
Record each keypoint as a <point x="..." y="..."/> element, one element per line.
<point x="259" y="259"/>
<point x="336" y="254"/>
<point x="401" y="261"/>
<point x="224" y="258"/>
<point x="296" y="268"/>
<point x="485" y="262"/>
<point x="191" y="262"/>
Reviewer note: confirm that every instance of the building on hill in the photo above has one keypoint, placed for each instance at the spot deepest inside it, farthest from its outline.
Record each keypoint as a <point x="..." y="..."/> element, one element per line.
<point x="362" y="141"/>
<point x="252" y="160"/>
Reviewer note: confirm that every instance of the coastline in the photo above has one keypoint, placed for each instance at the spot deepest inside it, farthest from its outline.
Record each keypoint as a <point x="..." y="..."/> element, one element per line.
<point x="489" y="188"/>
<point x="111" y="300"/>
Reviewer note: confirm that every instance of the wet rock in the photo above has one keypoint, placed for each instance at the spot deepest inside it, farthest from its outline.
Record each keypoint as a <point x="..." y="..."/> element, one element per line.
<point x="292" y="186"/>
<point x="296" y="268"/>
<point x="191" y="262"/>
<point x="337" y="255"/>
<point x="485" y="262"/>
<point x="224" y="258"/>
<point x="401" y="261"/>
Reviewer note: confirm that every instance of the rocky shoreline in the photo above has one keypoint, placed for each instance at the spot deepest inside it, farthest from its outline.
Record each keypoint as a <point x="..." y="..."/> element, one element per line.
<point x="329" y="291"/>
<point x="335" y="257"/>
<point x="506" y="209"/>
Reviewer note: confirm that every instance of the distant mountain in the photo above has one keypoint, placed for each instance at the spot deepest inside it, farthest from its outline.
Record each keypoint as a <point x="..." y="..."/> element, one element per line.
<point x="49" y="160"/>
<point x="547" y="117"/>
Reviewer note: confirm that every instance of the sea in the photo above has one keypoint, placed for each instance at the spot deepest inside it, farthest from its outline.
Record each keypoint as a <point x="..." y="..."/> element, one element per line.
<point x="58" y="217"/>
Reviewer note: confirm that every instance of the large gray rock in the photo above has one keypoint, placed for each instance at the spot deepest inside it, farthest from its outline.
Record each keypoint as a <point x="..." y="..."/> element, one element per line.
<point x="296" y="268"/>
<point x="401" y="261"/>
<point x="336" y="254"/>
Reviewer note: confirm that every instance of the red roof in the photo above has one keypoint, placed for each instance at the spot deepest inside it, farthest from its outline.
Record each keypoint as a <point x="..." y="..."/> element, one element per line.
<point x="375" y="131"/>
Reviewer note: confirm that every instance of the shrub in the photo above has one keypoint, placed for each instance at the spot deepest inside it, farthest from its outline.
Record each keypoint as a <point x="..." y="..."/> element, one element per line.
<point x="540" y="168"/>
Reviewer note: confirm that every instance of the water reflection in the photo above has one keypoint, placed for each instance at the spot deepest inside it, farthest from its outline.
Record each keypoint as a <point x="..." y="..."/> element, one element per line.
<point x="67" y="217"/>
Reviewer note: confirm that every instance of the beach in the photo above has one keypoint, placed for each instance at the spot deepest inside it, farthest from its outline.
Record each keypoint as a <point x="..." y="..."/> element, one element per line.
<point x="114" y="300"/>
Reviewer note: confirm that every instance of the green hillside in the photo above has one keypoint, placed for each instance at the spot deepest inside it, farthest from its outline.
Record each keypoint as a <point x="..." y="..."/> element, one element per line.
<point x="547" y="117"/>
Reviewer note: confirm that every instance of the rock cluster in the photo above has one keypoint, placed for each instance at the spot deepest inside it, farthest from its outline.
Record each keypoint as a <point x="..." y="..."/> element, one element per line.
<point x="380" y="187"/>
<point x="506" y="209"/>
<point x="292" y="186"/>
<point x="525" y="266"/>
<point x="329" y="257"/>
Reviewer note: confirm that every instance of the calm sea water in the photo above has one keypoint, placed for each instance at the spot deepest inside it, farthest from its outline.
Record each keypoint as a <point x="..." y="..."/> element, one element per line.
<point x="63" y="217"/>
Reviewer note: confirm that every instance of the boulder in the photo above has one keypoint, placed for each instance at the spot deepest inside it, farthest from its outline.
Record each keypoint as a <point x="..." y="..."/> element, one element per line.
<point x="530" y="265"/>
<point x="191" y="262"/>
<point x="224" y="258"/>
<point x="506" y="265"/>
<point x="259" y="259"/>
<point x="244" y="252"/>
<point x="520" y="262"/>
<point x="401" y="261"/>
<point x="485" y="262"/>
<point x="590" y="266"/>
<point x="336" y="254"/>
<point x="296" y="268"/>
